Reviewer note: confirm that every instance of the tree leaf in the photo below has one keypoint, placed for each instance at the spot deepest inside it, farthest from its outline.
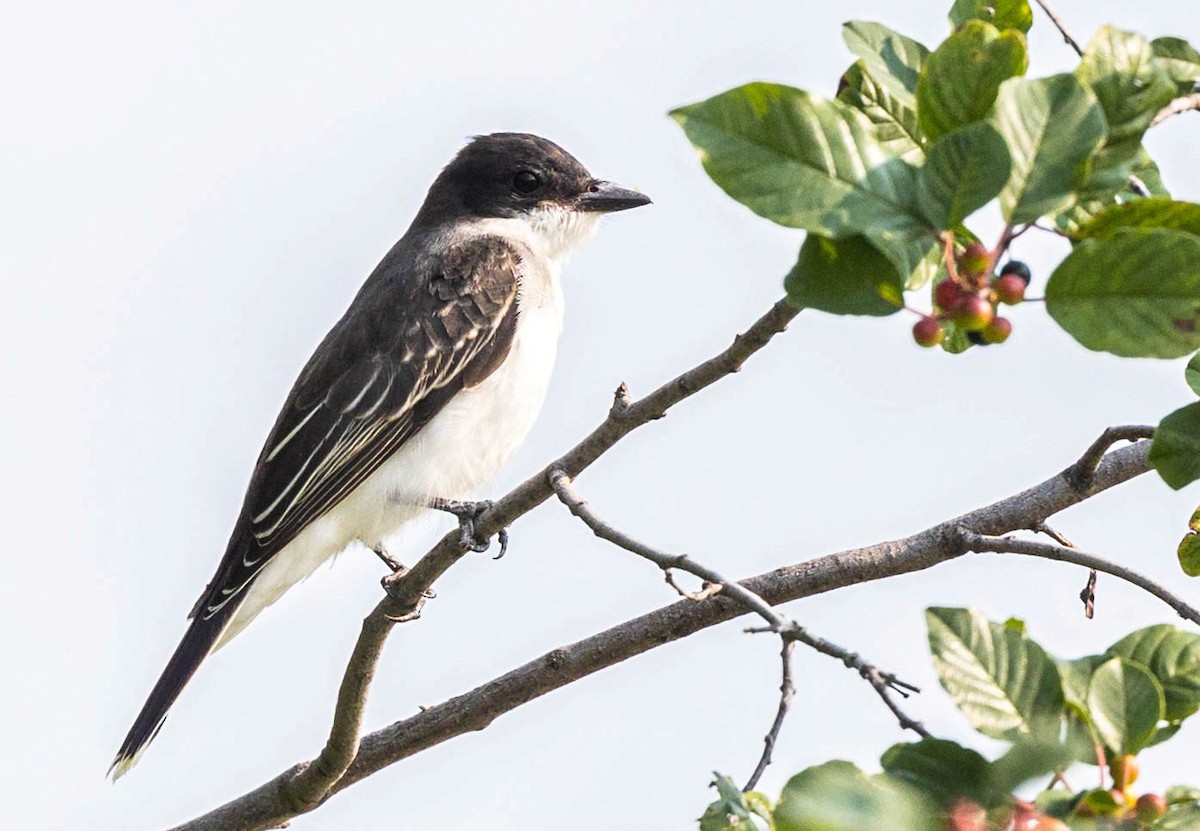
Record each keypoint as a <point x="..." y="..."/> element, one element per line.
<point x="1027" y="758"/>
<point x="1052" y="125"/>
<point x="1175" y="451"/>
<point x="893" y="60"/>
<point x="1003" y="14"/>
<point x="802" y="161"/>
<point x="1152" y="212"/>
<point x="1131" y="87"/>
<point x="1002" y="680"/>
<point x="1191" y="374"/>
<point x="734" y="810"/>
<point x="1180" y="60"/>
<point x="1184" y="817"/>
<point x="895" y="124"/>
<point x="960" y="78"/>
<point x="1126" y="704"/>
<point x="1188" y="553"/>
<point x="1173" y="658"/>
<point x="1135" y="293"/>
<point x="965" y="170"/>
<point x="944" y="770"/>
<point x="1076" y="676"/>
<point x="846" y="277"/>
<point x="837" y="796"/>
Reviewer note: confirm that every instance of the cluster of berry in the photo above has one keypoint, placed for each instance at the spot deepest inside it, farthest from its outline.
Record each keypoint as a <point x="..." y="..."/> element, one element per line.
<point x="969" y="300"/>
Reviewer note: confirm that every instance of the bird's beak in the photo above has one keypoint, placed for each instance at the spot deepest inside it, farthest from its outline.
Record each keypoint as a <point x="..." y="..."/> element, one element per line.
<point x="605" y="197"/>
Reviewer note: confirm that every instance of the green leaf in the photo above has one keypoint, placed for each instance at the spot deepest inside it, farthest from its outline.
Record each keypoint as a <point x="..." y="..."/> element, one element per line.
<point x="1182" y="794"/>
<point x="1027" y="758"/>
<point x="1102" y="802"/>
<point x="944" y="770"/>
<point x="734" y="810"/>
<point x="802" y="161"/>
<point x="892" y="59"/>
<point x="1180" y="60"/>
<point x="1152" y="212"/>
<point x="1179" y="818"/>
<point x="1052" y="125"/>
<point x="1145" y="169"/>
<point x="1003" y="14"/>
<point x="1135" y="293"/>
<point x="895" y="124"/>
<point x="1173" y="658"/>
<point x="1175" y="451"/>
<point x="1188" y="553"/>
<point x="1002" y="680"/>
<point x="1126" y="704"/>
<point x="1076" y="676"/>
<point x="1191" y="374"/>
<point x="846" y="277"/>
<point x="965" y="170"/>
<point x="1131" y="86"/>
<point x="837" y="796"/>
<point x="1056" y="803"/>
<point x="960" y="78"/>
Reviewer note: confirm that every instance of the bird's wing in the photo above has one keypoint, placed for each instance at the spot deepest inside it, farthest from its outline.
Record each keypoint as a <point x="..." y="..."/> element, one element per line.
<point x="379" y="376"/>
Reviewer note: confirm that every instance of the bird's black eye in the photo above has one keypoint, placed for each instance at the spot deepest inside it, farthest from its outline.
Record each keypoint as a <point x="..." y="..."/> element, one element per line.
<point x="526" y="182"/>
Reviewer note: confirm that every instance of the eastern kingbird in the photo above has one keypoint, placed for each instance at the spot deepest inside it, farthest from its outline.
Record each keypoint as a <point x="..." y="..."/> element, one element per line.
<point x="421" y="392"/>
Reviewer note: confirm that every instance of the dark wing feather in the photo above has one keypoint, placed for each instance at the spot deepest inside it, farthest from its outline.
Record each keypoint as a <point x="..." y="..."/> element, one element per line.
<point x="401" y="352"/>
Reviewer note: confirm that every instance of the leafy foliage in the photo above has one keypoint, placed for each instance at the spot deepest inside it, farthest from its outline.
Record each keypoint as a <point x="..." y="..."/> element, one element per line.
<point x="1148" y="680"/>
<point x="883" y="179"/>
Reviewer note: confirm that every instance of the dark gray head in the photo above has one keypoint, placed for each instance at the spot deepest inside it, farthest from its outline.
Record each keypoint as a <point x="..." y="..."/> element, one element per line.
<point x="514" y="174"/>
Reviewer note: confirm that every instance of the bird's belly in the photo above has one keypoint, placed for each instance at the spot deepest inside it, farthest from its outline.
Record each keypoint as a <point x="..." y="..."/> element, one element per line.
<point x="461" y="447"/>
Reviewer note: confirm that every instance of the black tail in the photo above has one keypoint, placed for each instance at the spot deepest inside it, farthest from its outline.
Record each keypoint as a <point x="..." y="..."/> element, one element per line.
<point x="196" y="644"/>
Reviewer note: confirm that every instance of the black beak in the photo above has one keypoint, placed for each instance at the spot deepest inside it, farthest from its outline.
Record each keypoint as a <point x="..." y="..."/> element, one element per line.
<point x="605" y="197"/>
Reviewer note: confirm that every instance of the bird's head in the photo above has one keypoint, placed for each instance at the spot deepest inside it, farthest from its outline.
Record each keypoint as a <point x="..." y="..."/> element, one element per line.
<point x="525" y="177"/>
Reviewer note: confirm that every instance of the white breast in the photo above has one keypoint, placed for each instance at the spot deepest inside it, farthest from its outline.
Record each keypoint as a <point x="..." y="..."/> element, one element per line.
<point x="462" y="446"/>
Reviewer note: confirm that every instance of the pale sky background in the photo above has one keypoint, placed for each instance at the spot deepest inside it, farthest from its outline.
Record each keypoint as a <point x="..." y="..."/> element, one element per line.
<point x="190" y="195"/>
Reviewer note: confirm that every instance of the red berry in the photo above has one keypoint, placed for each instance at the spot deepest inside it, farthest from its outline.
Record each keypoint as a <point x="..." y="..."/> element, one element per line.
<point x="947" y="295"/>
<point x="997" y="331"/>
<point x="928" y="331"/>
<point x="1009" y="289"/>
<point x="1150" y="806"/>
<point x="974" y="313"/>
<point x="974" y="259"/>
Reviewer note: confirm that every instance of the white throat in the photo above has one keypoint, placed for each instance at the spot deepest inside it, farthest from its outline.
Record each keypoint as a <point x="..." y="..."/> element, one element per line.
<point x="549" y="230"/>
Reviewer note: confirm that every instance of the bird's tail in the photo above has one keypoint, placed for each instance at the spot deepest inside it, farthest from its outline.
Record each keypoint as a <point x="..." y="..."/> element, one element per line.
<point x="196" y="645"/>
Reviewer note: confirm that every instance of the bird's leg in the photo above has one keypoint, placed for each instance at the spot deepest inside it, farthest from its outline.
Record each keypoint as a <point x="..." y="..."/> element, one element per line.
<point x="467" y="513"/>
<point x="391" y="562"/>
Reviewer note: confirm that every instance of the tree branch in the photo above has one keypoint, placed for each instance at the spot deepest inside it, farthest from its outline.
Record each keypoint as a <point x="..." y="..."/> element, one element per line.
<point x="1181" y="104"/>
<point x="1008" y="545"/>
<point x="1062" y="29"/>
<point x="265" y="806"/>
<point x="1080" y="473"/>
<point x="882" y="682"/>
<point x="304" y="786"/>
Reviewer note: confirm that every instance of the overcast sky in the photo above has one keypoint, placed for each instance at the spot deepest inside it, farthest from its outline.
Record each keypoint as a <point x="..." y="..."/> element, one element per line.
<point x="190" y="194"/>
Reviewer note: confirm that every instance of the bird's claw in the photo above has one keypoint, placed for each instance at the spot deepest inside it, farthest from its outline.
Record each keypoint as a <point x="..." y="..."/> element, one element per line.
<point x="467" y="513"/>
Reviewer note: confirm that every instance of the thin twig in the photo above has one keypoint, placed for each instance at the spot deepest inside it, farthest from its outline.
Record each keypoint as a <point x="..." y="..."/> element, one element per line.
<point x="1087" y="595"/>
<point x="1079" y="475"/>
<point x="1182" y="104"/>
<point x="787" y="691"/>
<point x="1009" y="545"/>
<point x="579" y="507"/>
<point x="883" y="683"/>
<point x="1062" y="29"/>
<point x="265" y="807"/>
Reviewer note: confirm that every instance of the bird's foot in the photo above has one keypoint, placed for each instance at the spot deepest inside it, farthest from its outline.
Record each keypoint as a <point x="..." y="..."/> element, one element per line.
<point x="391" y="562"/>
<point x="467" y="513"/>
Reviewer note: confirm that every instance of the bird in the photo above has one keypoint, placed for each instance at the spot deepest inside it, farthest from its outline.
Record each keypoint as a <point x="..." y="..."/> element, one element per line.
<point x="419" y="394"/>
